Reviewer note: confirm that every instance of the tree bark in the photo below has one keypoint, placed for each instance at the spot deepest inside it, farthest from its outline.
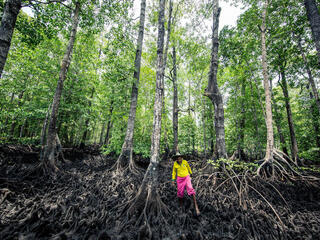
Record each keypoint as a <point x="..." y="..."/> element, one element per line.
<point x="155" y="140"/>
<point x="175" y="113"/>
<point x="242" y="122"/>
<point x="268" y="116"/>
<point x="150" y="180"/>
<point x="14" y="120"/>
<point x="277" y="119"/>
<point x="212" y="90"/>
<point x="165" y="135"/>
<point x="204" y="127"/>
<point x="315" y="119"/>
<point x="44" y="132"/>
<point x="294" y="145"/>
<point x="168" y="39"/>
<point x="127" y="147"/>
<point x="102" y="133"/>
<point x="4" y="127"/>
<point x="310" y="76"/>
<point x="109" y="125"/>
<point x="8" y="22"/>
<point x="49" y="154"/>
<point x="314" y="19"/>
<point x="257" y="149"/>
<point x="22" y="128"/>
<point x="315" y="108"/>
<point x="86" y="125"/>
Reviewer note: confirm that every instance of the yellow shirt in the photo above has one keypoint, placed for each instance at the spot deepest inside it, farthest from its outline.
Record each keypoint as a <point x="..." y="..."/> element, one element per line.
<point x="182" y="170"/>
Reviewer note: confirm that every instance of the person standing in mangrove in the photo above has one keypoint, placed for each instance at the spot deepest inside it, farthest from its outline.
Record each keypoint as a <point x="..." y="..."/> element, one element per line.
<point x="183" y="171"/>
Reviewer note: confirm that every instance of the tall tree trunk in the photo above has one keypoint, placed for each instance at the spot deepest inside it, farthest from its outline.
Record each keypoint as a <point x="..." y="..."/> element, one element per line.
<point x="257" y="149"/>
<point x="294" y="145"/>
<point x="102" y="133"/>
<point x="44" y="132"/>
<point x="127" y="147"/>
<point x="155" y="140"/>
<point x="315" y="108"/>
<point x="8" y="22"/>
<point x="109" y="125"/>
<point x="242" y="122"/>
<point x="268" y="116"/>
<point x="310" y="77"/>
<point x="148" y="190"/>
<point x="277" y="119"/>
<point x="14" y="120"/>
<point x="165" y="135"/>
<point x="7" y="118"/>
<point x="175" y="113"/>
<point x="22" y="128"/>
<point x="314" y="19"/>
<point x="212" y="90"/>
<point x="204" y="127"/>
<point x="86" y="125"/>
<point x="167" y="41"/>
<point x="50" y="151"/>
<point x="315" y="119"/>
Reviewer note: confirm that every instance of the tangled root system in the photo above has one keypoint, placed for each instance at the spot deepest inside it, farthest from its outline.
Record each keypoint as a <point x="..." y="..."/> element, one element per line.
<point x="87" y="201"/>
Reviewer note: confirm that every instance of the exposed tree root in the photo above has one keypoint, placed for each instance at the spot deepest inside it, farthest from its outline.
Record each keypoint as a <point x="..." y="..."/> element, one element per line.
<point x="126" y="162"/>
<point x="283" y="169"/>
<point x="87" y="201"/>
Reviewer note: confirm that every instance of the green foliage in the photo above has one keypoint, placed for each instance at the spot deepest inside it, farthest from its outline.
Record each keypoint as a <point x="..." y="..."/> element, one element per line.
<point x="99" y="80"/>
<point x="6" y="139"/>
<point x="315" y="169"/>
<point x="311" y="154"/>
<point x="187" y="134"/>
<point x="235" y="165"/>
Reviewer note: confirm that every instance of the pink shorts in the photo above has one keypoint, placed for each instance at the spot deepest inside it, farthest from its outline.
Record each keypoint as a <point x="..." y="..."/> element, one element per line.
<point x="182" y="183"/>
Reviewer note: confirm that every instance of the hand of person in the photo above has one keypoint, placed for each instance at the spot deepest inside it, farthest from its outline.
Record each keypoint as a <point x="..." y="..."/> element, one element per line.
<point x="173" y="184"/>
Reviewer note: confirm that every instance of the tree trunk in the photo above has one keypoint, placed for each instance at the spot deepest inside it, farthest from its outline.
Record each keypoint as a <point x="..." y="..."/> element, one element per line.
<point x="242" y="122"/>
<point x="315" y="119"/>
<point x="102" y="133"/>
<point x="204" y="127"/>
<point x="175" y="113"/>
<point x="310" y="77"/>
<point x="155" y="140"/>
<point x="127" y="147"/>
<point x="109" y="125"/>
<point x="14" y="120"/>
<point x="22" y="128"/>
<point x="212" y="90"/>
<point x="268" y="116"/>
<point x="277" y="119"/>
<point x="148" y="189"/>
<point x="44" y="132"/>
<point x="49" y="154"/>
<point x="8" y="22"/>
<point x="165" y="135"/>
<point x="86" y="125"/>
<point x="294" y="145"/>
<point x="4" y="127"/>
<point x="314" y="19"/>
<point x="315" y="108"/>
<point x="257" y="149"/>
<point x="168" y="40"/>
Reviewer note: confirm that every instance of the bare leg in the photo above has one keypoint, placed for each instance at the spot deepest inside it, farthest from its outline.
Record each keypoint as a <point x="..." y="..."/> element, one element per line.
<point x="180" y="202"/>
<point x="196" y="205"/>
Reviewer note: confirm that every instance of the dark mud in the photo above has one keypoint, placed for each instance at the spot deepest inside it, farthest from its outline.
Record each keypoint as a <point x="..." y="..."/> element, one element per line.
<point x="87" y="201"/>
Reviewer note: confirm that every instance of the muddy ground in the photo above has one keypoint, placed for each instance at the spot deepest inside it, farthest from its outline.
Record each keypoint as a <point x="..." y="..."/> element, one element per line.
<point x="86" y="200"/>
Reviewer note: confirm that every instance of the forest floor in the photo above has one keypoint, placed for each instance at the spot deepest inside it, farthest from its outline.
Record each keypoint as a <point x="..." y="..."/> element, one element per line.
<point x="85" y="200"/>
